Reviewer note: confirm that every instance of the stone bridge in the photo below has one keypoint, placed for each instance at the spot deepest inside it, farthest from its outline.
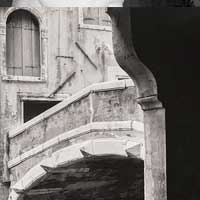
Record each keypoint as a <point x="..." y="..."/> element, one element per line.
<point x="91" y="140"/>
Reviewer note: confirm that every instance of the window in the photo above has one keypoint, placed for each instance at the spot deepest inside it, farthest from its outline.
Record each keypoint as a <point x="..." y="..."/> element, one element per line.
<point x="33" y="108"/>
<point x="96" y="16"/>
<point x="22" y="44"/>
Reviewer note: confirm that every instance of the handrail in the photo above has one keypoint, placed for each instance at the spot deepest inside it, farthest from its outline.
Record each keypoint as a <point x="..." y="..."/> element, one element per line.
<point x="94" y="126"/>
<point x="105" y="86"/>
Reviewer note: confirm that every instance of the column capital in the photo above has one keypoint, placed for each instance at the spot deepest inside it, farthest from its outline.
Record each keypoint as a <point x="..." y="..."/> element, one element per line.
<point x="150" y="103"/>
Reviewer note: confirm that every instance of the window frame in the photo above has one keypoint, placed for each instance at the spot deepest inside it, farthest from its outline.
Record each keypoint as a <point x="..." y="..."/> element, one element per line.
<point x="81" y="25"/>
<point x="24" y="96"/>
<point x="43" y="35"/>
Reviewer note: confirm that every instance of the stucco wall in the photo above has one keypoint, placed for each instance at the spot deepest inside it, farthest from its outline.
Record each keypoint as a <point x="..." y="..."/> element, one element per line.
<point x="63" y="32"/>
<point x="100" y="106"/>
<point x="62" y="27"/>
<point x="106" y="110"/>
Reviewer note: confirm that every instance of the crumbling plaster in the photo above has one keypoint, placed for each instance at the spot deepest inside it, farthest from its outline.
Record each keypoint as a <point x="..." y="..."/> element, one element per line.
<point x="99" y="114"/>
<point x="59" y="47"/>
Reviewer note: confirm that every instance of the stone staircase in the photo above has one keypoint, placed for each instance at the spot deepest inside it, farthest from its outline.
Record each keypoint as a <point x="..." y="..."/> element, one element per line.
<point x="103" y="110"/>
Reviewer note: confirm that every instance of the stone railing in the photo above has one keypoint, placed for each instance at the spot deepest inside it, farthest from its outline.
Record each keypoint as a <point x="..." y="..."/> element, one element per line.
<point x="103" y="106"/>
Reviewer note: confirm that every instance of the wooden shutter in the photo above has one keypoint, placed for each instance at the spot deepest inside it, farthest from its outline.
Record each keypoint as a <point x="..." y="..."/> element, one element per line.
<point x="96" y="16"/>
<point x="14" y="45"/>
<point x="104" y="18"/>
<point x="91" y="16"/>
<point x="23" y="44"/>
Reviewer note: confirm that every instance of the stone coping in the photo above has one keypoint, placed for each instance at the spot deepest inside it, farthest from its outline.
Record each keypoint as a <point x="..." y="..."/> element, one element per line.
<point x="95" y="126"/>
<point x="105" y="86"/>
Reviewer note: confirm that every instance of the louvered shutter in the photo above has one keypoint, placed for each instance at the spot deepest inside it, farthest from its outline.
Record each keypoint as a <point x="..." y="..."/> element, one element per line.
<point x="91" y="16"/>
<point x="23" y="51"/>
<point x="104" y="18"/>
<point x="96" y="16"/>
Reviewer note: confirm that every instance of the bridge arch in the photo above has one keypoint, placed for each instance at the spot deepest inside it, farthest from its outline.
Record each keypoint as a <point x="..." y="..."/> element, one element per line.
<point x="99" y="150"/>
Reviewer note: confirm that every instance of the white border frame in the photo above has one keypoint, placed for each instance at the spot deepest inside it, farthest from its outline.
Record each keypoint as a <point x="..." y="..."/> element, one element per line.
<point x="43" y="48"/>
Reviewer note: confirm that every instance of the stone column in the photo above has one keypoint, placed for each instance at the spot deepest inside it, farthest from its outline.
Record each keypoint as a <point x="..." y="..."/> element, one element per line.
<point x="155" y="149"/>
<point x="154" y="113"/>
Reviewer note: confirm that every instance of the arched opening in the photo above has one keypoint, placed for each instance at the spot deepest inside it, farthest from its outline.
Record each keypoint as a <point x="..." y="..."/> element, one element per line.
<point x="95" y="169"/>
<point x="109" y="177"/>
<point x="22" y="44"/>
<point x="171" y="51"/>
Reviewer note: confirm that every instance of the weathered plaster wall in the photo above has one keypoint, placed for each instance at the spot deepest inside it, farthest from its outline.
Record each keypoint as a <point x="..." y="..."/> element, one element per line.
<point x="119" y="105"/>
<point x="115" y="105"/>
<point x="106" y="110"/>
<point x="63" y="31"/>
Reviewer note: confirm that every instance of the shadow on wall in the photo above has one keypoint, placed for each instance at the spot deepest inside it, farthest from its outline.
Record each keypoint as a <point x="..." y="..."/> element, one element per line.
<point x="172" y="54"/>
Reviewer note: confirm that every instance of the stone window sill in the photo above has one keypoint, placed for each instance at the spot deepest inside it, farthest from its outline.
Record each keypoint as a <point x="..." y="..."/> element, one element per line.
<point x="95" y="27"/>
<point x="22" y="78"/>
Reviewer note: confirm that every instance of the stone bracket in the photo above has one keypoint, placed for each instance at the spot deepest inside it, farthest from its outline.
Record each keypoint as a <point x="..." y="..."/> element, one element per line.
<point x="150" y="102"/>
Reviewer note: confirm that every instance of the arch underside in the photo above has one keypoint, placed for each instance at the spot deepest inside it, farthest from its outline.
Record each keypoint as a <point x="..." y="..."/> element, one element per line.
<point x="101" y="177"/>
<point x="31" y="10"/>
<point x="95" y="169"/>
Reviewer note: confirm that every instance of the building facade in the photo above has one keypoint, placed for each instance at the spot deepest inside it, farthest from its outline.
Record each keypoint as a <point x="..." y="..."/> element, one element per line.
<point x="167" y="76"/>
<point x="63" y="91"/>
